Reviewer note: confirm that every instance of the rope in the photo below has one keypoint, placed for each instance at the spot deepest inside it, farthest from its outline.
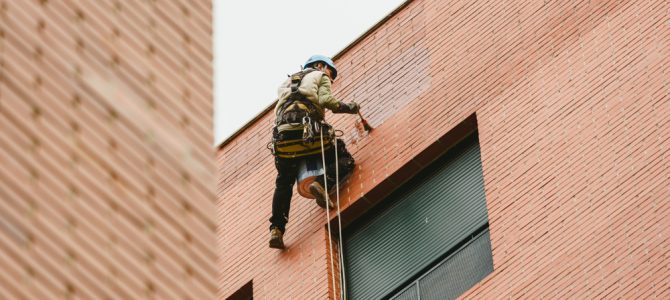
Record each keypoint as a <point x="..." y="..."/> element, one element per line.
<point x="339" y="223"/>
<point x="325" y="182"/>
<point x="339" y="220"/>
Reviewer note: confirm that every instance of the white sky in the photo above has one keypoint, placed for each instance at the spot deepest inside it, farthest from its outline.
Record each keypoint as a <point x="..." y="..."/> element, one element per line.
<point x="257" y="43"/>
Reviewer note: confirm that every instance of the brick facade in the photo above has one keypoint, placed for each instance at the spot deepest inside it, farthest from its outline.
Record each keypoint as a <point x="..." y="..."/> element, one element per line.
<point x="106" y="164"/>
<point x="572" y="105"/>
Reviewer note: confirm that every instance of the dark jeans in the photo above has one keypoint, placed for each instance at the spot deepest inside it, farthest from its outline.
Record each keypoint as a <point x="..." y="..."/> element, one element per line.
<point x="287" y="174"/>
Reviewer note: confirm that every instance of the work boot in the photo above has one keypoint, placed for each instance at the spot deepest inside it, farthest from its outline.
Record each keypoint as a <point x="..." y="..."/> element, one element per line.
<point x="320" y="194"/>
<point x="276" y="238"/>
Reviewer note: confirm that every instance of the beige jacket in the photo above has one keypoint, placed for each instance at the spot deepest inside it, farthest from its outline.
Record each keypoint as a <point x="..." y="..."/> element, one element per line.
<point x="315" y="86"/>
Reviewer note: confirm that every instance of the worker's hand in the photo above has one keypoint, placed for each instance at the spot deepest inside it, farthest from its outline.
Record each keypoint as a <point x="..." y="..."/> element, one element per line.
<point x="353" y="107"/>
<point x="346" y="108"/>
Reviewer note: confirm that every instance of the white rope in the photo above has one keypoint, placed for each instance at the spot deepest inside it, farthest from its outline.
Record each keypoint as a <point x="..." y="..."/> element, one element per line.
<point x="339" y="220"/>
<point x="325" y="183"/>
<point x="339" y="223"/>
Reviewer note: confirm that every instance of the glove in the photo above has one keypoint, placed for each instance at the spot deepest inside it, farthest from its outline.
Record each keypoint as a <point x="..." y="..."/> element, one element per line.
<point x="346" y="108"/>
<point x="354" y="107"/>
<point x="349" y="108"/>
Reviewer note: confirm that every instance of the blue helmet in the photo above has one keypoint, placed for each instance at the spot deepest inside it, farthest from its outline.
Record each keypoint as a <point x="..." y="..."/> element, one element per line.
<point x="321" y="58"/>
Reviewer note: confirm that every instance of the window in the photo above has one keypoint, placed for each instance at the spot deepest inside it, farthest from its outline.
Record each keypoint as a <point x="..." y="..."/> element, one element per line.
<point x="427" y="240"/>
<point x="454" y="275"/>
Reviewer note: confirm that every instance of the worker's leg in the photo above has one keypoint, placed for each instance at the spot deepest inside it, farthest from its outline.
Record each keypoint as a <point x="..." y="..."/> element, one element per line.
<point x="287" y="171"/>
<point x="345" y="163"/>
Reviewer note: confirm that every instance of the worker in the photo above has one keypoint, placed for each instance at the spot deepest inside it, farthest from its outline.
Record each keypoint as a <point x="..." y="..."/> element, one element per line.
<point x="299" y="125"/>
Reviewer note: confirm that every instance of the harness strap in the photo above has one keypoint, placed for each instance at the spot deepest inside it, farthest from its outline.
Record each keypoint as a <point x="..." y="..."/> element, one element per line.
<point x="295" y="96"/>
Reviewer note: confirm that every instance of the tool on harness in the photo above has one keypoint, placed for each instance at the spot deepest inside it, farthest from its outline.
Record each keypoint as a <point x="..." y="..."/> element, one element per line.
<point x="307" y="132"/>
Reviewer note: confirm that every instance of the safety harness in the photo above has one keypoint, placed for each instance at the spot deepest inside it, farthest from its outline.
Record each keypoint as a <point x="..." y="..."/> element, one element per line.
<point x="298" y="125"/>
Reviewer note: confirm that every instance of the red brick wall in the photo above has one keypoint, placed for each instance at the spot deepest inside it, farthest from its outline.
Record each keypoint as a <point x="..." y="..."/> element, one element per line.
<point x="572" y="102"/>
<point x="106" y="164"/>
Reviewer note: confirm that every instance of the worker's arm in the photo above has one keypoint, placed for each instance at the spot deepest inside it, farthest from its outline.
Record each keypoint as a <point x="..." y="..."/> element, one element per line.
<point x="326" y="99"/>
